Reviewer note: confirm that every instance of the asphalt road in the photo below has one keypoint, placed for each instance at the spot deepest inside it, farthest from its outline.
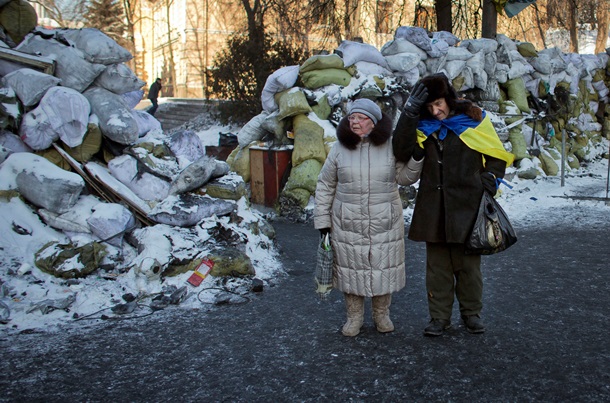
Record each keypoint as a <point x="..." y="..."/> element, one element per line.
<point x="546" y="307"/>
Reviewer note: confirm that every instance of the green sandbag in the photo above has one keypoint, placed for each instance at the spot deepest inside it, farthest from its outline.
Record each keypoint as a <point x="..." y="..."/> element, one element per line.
<point x="518" y="93"/>
<point x="292" y="102"/>
<point x="52" y="155"/>
<point x="308" y="141"/>
<point x="319" y="78"/>
<point x="322" y="109"/>
<point x="572" y="161"/>
<point x="82" y="260"/>
<point x="91" y="145"/>
<point x="371" y="92"/>
<point x="18" y="19"/>
<point x="527" y="49"/>
<point x="299" y="197"/>
<point x="319" y="62"/>
<point x="239" y="162"/>
<point x="304" y="176"/>
<point x="517" y="141"/>
<point x="548" y="164"/>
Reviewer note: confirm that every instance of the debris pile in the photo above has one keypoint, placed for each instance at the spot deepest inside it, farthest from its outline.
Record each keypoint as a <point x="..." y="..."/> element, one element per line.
<point x="536" y="99"/>
<point x="91" y="187"/>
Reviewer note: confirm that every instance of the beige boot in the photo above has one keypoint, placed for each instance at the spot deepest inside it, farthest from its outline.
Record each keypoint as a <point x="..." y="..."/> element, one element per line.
<point x="355" y="315"/>
<point x="381" y="313"/>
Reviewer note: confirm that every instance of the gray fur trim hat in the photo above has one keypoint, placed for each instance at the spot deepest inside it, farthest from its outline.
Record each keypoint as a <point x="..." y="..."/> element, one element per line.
<point x="366" y="107"/>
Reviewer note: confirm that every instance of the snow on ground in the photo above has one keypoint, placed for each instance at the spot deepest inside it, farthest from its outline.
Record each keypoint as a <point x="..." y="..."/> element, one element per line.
<point x="28" y="292"/>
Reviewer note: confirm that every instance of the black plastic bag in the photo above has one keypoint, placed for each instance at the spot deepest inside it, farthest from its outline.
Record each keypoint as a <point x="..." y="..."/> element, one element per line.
<point x="492" y="231"/>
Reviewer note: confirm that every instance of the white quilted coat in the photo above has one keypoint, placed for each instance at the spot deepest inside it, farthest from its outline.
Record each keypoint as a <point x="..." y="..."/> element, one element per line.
<point x="357" y="197"/>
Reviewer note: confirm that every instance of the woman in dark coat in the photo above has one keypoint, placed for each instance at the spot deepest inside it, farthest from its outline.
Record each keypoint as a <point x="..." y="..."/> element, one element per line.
<point x="463" y="158"/>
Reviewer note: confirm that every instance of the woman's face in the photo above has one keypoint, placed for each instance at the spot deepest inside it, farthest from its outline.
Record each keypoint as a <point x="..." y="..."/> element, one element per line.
<point x="360" y="124"/>
<point x="438" y="108"/>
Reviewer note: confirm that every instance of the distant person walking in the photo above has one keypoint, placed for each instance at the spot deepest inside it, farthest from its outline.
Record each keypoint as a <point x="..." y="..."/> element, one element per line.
<point x="357" y="202"/>
<point x="153" y="94"/>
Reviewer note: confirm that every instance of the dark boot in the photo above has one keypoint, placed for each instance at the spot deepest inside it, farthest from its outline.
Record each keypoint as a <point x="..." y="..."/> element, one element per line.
<point x="436" y="327"/>
<point x="473" y="323"/>
<point x="381" y="313"/>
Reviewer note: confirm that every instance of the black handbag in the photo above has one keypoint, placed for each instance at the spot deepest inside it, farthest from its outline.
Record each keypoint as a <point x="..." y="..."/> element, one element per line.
<point x="492" y="231"/>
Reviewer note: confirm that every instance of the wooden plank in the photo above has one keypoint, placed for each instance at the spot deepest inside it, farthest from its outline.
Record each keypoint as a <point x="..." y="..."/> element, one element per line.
<point x="44" y="64"/>
<point x="257" y="176"/>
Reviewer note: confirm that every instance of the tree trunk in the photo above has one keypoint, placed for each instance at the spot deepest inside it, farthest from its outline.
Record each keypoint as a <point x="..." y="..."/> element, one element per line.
<point x="489" y="26"/>
<point x="602" y="16"/>
<point x="444" y="22"/>
<point x="572" y="27"/>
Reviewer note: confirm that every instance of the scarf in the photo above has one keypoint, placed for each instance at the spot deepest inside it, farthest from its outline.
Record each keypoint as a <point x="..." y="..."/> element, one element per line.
<point x="478" y="136"/>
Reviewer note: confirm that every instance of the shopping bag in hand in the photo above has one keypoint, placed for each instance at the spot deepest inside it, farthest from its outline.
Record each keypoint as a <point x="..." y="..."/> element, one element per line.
<point x="324" y="268"/>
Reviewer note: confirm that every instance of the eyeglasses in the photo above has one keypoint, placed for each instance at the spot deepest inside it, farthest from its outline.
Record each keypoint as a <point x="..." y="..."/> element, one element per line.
<point x="355" y="118"/>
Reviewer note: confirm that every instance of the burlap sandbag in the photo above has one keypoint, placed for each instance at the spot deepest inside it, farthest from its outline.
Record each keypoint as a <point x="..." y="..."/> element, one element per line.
<point x="518" y="93"/>
<point x="292" y="102"/>
<point x="91" y="145"/>
<point x="304" y="176"/>
<point x="18" y="18"/>
<point x="308" y="141"/>
<point x="319" y="78"/>
<point x="319" y="62"/>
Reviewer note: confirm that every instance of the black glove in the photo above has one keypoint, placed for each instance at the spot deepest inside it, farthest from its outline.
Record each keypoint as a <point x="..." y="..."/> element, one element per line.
<point x="489" y="183"/>
<point x="324" y="231"/>
<point x="418" y="153"/>
<point x="416" y="100"/>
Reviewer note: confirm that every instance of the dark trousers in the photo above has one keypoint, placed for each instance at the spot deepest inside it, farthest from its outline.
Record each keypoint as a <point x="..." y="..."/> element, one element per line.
<point x="154" y="107"/>
<point x="451" y="273"/>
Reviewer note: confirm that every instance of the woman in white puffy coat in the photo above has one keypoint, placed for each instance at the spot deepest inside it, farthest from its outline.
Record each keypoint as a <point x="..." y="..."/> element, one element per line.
<point x="357" y="201"/>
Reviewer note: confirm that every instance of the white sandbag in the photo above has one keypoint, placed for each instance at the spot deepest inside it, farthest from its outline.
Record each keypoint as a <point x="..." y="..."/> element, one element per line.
<point x="401" y="45"/>
<point x="468" y="79"/>
<point x="13" y="142"/>
<point x="458" y="53"/>
<point x="116" y="120"/>
<point x="477" y="65"/>
<point x="549" y="61"/>
<point x="186" y="145"/>
<point x="133" y="98"/>
<point x="372" y="69"/>
<point x="439" y="48"/>
<point x="506" y="42"/>
<point x="110" y="221"/>
<point x="188" y="209"/>
<point x="252" y="130"/>
<point x="453" y="68"/>
<point x="601" y="89"/>
<point x="146" y="186"/>
<point x="71" y="67"/>
<point x="402" y="62"/>
<point x="491" y="62"/>
<point x="352" y="52"/>
<point x="29" y="85"/>
<point x="146" y="122"/>
<point x="416" y="35"/>
<point x="119" y="78"/>
<point x="501" y="74"/>
<point x="485" y="45"/>
<point x="410" y="77"/>
<point x="448" y="37"/>
<point x="62" y="113"/>
<point x="532" y="84"/>
<point x="280" y="80"/>
<point x="97" y="46"/>
<point x="43" y="183"/>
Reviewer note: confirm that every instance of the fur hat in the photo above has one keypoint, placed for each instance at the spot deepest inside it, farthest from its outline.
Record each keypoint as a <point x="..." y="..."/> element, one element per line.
<point x="438" y="87"/>
<point x="366" y="107"/>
